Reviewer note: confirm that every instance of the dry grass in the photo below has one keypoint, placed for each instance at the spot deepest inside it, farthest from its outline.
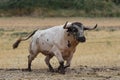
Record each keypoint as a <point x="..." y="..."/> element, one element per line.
<point x="40" y="22"/>
<point x="101" y="49"/>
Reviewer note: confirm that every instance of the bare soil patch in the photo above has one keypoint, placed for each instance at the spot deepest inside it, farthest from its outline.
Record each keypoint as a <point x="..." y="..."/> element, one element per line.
<point x="76" y="73"/>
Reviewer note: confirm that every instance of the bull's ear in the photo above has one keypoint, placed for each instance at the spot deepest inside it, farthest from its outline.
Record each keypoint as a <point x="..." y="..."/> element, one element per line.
<point x="65" y="26"/>
<point x="86" y="28"/>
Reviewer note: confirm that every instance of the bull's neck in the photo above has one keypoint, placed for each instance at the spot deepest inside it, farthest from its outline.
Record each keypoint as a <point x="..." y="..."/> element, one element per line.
<point x="70" y="39"/>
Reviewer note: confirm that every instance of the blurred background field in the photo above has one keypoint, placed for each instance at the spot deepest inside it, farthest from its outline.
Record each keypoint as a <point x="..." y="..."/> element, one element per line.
<point x="61" y="8"/>
<point x="101" y="49"/>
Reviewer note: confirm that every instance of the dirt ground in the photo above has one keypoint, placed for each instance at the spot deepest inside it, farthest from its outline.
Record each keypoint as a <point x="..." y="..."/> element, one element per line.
<point x="97" y="59"/>
<point x="76" y="73"/>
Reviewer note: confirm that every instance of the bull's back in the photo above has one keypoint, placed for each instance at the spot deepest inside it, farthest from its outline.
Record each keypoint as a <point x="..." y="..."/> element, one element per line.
<point x="46" y="39"/>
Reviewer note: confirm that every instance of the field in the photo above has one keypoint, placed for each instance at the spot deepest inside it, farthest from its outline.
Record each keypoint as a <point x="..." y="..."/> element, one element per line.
<point x="97" y="59"/>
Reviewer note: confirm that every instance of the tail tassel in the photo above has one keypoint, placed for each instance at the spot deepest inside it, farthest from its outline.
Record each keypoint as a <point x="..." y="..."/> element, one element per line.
<point x="15" y="45"/>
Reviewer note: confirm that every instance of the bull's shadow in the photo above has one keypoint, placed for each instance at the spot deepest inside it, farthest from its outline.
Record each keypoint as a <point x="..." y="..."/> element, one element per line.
<point x="43" y="70"/>
<point x="76" y="70"/>
<point x="23" y="70"/>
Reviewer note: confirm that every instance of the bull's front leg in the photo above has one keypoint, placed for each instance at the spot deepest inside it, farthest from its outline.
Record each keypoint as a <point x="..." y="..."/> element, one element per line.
<point x="61" y="68"/>
<point x="58" y="55"/>
<point x="68" y="61"/>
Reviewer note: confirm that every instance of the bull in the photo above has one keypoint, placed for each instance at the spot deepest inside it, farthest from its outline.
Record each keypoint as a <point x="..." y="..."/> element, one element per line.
<point x="59" y="41"/>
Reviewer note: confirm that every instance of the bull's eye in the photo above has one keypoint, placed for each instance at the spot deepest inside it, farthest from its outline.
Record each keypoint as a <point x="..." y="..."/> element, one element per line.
<point x="74" y="30"/>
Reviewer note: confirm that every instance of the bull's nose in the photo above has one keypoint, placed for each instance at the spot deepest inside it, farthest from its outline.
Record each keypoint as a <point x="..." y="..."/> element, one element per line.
<point x="81" y="39"/>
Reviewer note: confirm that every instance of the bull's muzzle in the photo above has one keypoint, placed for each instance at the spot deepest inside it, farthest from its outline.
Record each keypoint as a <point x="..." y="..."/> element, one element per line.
<point x="81" y="39"/>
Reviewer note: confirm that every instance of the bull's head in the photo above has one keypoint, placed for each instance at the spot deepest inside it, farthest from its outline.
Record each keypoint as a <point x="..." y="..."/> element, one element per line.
<point x="77" y="30"/>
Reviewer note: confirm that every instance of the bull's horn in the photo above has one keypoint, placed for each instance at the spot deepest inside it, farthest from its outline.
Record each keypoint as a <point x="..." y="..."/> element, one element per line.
<point x="65" y="25"/>
<point x="86" y="28"/>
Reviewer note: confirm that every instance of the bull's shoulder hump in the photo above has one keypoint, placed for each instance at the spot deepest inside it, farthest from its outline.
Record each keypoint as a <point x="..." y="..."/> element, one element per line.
<point x="50" y="31"/>
<point x="54" y="29"/>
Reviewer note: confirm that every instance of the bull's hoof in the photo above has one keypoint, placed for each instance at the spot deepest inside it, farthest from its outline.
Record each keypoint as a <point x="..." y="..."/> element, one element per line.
<point x="51" y="70"/>
<point x="62" y="72"/>
<point x="27" y="70"/>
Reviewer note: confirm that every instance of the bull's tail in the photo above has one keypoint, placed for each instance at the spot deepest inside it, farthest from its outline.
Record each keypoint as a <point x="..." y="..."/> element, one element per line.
<point x="16" y="44"/>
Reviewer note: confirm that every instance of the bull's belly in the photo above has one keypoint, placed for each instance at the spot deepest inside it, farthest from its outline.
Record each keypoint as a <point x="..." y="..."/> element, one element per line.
<point x="47" y="53"/>
<point x="45" y="49"/>
<point x="44" y="46"/>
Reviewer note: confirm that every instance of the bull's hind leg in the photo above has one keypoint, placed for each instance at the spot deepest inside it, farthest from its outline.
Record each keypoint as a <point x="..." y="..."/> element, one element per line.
<point x="31" y="57"/>
<point x="33" y="50"/>
<point x="47" y="61"/>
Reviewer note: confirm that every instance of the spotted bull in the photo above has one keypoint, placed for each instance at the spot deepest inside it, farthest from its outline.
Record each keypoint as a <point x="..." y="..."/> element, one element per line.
<point x="59" y="41"/>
